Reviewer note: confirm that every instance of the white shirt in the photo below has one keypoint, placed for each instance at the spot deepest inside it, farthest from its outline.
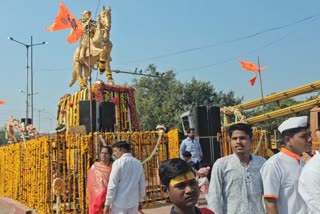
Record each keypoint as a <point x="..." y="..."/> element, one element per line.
<point x="309" y="184"/>
<point x="280" y="176"/>
<point x="235" y="188"/>
<point x="126" y="186"/>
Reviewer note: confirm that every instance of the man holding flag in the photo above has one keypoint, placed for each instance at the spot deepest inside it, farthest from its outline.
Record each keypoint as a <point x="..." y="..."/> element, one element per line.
<point x="65" y="19"/>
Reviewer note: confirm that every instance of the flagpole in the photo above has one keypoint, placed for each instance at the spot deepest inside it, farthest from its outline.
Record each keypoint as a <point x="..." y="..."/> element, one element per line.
<point x="260" y="78"/>
<point x="90" y="93"/>
<point x="90" y="82"/>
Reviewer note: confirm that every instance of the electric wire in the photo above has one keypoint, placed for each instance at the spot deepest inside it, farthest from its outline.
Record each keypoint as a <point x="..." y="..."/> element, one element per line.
<point x="312" y="17"/>
<point x="227" y="41"/>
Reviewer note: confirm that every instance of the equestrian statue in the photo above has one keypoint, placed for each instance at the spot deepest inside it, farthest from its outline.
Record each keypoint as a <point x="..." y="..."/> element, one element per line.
<point x="94" y="49"/>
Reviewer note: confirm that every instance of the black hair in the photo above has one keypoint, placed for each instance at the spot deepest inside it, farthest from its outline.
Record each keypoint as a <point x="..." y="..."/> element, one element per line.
<point x="122" y="145"/>
<point x="170" y="169"/>
<point x="187" y="154"/>
<point x="109" y="151"/>
<point x="242" y="127"/>
<point x="190" y="129"/>
<point x="291" y="132"/>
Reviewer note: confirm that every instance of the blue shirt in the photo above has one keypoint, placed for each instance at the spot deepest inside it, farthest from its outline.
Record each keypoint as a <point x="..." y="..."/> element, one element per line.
<point x="192" y="146"/>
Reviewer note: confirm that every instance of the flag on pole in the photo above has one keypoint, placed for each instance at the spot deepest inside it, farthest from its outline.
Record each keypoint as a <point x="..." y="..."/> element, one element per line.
<point x="65" y="19"/>
<point x="250" y="66"/>
<point x="253" y="80"/>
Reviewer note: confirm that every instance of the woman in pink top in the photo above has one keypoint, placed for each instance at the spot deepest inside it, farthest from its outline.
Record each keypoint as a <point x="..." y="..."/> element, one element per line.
<point x="98" y="179"/>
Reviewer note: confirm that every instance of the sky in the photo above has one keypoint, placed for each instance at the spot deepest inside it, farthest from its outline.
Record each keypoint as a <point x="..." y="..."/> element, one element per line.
<point x="203" y="39"/>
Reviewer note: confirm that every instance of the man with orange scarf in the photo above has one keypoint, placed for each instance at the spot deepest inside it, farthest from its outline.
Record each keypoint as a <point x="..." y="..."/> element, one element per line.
<point x="98" y="179"/>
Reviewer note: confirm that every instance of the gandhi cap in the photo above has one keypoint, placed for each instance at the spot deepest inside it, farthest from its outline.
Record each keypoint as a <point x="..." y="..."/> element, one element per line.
<point x="293" y="122"/>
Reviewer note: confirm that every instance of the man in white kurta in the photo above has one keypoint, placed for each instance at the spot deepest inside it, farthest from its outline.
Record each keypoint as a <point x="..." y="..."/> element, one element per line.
<point x="126" y="188"/>
<point x="236" y="184"/>
<point x="309" y="184"/>
<point x="281" y="172"/>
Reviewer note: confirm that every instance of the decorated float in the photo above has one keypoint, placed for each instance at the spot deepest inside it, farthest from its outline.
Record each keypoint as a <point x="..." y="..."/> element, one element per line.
<point x="31" y="168"/>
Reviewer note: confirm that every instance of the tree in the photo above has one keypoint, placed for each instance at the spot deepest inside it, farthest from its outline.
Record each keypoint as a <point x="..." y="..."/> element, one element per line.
<point x="158" y="99"/>
<point x="202" y="93"/>
<point x="227" y="99"/>
<point x="3" y="140"/>
<point x="273" y="124"/>
<point x="162" y="100"/>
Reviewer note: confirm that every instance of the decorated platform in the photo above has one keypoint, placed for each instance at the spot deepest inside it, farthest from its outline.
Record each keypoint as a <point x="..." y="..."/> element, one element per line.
<point x="121" y="96"/>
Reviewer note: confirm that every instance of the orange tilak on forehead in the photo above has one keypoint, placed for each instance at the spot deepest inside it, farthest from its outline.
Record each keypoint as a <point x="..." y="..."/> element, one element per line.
<point x="183" y="178"/>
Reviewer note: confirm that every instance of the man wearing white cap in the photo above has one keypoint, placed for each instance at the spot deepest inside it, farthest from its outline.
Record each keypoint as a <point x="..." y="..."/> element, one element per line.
<point x="281" y="172"/>
<point x="309" y="185"/>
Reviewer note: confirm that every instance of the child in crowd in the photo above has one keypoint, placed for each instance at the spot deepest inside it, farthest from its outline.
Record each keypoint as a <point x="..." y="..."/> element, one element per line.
<point x="203" y="180"/>
<point x="182" y="187"/>
<point x="187" y="157"/>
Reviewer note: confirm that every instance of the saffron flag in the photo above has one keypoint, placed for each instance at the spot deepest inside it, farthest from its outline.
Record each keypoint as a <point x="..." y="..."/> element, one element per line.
<point x="253" y="80"/>
<point x="65" y="19"/>
<point x="250" y="66"/>
<point x="2" y="102"/>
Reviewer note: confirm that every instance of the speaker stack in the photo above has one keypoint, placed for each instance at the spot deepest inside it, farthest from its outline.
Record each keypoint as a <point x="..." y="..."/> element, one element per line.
<point x="207" y="125"/>
<point x="214" y="121"/>
<point x="103" y="116"/>
<point x="200" y="114"/>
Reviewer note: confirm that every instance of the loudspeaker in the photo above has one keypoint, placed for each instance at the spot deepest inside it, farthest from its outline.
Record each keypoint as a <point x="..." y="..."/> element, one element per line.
<point x="200" y="114"/>
<point x="106" y="116"/>
<point x="207" y="151"/>
<point x="215" y="128"/>
<point x="29" y="120"/>
<point x="84" y="114"/>
<point x="214" y="120"/>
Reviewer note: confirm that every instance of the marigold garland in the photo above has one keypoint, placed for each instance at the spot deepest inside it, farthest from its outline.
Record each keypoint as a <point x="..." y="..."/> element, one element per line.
<point x="28" y="169"/>
<point x="123" y="96"/>
<point x="173" y="145"/>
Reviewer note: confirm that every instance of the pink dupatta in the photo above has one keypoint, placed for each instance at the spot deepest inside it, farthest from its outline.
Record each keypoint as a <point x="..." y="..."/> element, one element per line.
<point x="97" y="184"/>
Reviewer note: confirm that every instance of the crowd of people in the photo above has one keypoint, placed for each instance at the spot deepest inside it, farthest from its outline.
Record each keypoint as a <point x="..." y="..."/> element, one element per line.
<point x="239" y="183"/>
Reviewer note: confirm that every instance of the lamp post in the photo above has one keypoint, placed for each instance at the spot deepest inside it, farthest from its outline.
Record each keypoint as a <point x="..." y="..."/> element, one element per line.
<point x="39" y="111"/>
<point x="50" y="123"/>
<point x="28" y="96"/>
<point x="27" y="85"/>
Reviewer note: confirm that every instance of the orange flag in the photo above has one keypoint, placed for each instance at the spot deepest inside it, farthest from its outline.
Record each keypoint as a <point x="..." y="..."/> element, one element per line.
<point x="65" y="19"/>
<point x="250" y="66"/>
<point x="253" y="80"/>
<point x="2" y="102"/>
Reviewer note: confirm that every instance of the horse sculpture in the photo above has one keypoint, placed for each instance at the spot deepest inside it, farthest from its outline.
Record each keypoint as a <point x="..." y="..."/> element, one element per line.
<point x="94" y="49"/>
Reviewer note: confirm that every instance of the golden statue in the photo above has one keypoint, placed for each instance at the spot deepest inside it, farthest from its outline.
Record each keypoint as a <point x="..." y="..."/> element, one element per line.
<point x="95" y="48"/>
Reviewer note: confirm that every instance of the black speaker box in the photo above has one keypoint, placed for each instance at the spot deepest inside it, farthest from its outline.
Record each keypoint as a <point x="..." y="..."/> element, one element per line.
<point x="29" y="120"/>
<point x="106" y="116"/>
<point x="200" y="114"/>
<point x="214" y="121"/>
<point x="84" y="114"/>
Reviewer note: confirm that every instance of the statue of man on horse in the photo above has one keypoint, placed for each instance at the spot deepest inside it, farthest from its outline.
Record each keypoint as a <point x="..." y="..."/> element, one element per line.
<point x="95" y="48"/>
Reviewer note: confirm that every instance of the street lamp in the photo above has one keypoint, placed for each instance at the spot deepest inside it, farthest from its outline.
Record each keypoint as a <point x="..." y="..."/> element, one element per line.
<point x="28" y="95"/>
<point x="39" y="111"/>
<point x="50" y="123"/>
<point x="27" y="87"/>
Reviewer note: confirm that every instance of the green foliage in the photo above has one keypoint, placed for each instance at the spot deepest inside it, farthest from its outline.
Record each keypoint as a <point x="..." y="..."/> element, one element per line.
<point x="273" y="124"/>
<point x="157" y="99"/>
<point x="162" y="100"/>
<point x="201" y="93"/>
<point x="3" y="140"/>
